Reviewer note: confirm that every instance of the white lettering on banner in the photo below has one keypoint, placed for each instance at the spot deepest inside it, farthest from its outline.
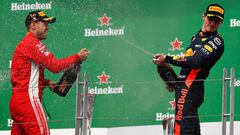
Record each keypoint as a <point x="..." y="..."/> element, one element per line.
<point x="234" y="23"/>
<point x="10" y="121"/>
<point x="106" y="90"/>
<point x="105" y="32"/>
<point x="236" y="83"/>
<point x="10" y="63"/>
<point x="162" y="116"/>
<point x="35" y="6"/>
<point x="177" y="55"/>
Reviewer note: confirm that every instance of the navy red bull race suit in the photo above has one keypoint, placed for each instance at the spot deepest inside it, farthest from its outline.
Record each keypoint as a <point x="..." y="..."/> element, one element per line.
<point x="202" y="54"/>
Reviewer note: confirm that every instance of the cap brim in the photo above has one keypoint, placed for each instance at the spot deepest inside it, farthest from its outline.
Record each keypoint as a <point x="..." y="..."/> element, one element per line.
<point x="209" y="15"/>
<point x="49" y="19"/>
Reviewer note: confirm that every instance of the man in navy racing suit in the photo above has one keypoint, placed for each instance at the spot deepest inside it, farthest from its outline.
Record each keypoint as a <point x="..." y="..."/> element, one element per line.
<point x="205" y="50"/>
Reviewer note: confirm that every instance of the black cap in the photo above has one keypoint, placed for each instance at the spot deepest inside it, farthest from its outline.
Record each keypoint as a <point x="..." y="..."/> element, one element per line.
<point x="38" y="15"/>
<point x="215" y="10"/>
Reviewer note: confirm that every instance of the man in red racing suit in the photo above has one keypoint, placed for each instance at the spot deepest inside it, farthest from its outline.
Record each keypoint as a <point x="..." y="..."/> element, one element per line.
<point x="30" y="58"/>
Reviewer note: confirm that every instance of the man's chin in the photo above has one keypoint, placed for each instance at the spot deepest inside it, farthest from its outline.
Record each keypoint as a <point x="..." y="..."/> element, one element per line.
<point x="43" y="37"/>
<point x="209" y="30"/>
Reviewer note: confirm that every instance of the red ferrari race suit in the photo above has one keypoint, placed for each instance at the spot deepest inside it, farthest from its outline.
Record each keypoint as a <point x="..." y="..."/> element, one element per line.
<point x="202" y="54"/>
<point x="30" y="58"/>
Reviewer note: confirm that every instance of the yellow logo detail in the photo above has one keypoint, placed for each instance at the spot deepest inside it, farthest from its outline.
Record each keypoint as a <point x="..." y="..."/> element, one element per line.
<point x="175" y="57"/>
<point x="179" y="58"/>
<point x="41" y="13"/>
<point x="203" y="39"/>
<point x="189" y="52"/>
<point x="208" y="48"/>
<point x="216" y="9"/>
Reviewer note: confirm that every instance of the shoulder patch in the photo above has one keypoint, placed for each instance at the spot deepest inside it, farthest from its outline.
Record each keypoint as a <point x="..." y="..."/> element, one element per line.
<point x="42" y="48"/>
<point x="217" y="41"/>
<point x="193" y="38"/>
<point x="189" y="52"/>
<point x="203" y="39"/>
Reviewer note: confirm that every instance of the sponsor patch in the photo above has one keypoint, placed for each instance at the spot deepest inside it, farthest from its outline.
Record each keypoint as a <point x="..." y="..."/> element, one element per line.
<point x="43" y="49"/>
<point x="212" y="44"/>
<point x="193" y="38"/>
<point x="179" y="58"/>
<point x="41" y="13"/>
<point x="216" y="9"/>
<point x="203" y="39"/>
<point x="205" y="51"/>
<point x="209" y="48"/>
<point x="217" y="41"/>
<point x="198" y="46"/>
<point x="189" y="52"/>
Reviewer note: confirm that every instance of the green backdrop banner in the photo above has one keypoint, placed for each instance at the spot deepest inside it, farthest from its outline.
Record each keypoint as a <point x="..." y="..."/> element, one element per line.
<point x="122" y="37"/>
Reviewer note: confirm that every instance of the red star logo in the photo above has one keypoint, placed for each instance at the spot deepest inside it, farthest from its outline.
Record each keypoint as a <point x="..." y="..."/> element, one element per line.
<point x="176" y="44"/>
<point x="173" y="104"/>
<point x="103" y="78"/>
<point x="104" y="20"/>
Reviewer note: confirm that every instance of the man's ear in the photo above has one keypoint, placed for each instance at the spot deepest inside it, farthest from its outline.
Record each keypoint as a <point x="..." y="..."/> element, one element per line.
<point x="203" y="16"/>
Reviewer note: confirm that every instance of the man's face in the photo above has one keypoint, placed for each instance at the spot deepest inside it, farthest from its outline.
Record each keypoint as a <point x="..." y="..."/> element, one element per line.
<point x="210" y="24"/>
<point x="41" y="29"/>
